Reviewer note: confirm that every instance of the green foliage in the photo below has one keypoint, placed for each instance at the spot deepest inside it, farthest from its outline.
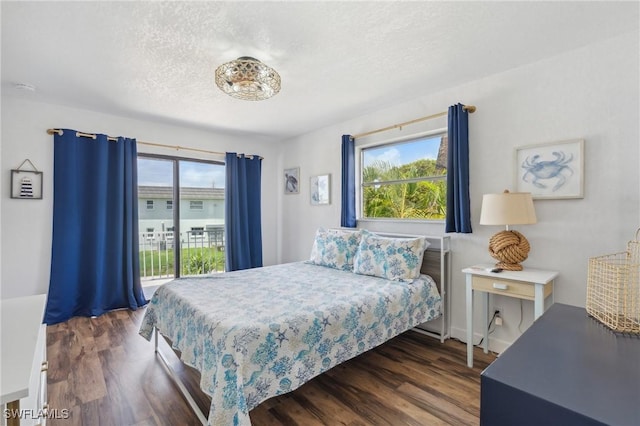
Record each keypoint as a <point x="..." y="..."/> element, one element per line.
<point x="201" y="260"/>
<point x="410" y="200"/>
<point x="160" y="262"/>
<point x="198" y="263"/>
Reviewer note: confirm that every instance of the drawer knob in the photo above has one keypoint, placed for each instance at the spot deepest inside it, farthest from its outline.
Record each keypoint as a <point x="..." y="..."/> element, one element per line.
<point x="500" y="286"/>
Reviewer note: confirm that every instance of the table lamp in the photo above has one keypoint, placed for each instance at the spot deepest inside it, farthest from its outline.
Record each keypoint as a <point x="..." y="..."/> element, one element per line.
<point x="508" y="247"/>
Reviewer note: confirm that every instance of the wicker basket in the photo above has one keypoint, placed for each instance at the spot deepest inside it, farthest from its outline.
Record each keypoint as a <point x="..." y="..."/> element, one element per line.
<point x="613" y="289"/>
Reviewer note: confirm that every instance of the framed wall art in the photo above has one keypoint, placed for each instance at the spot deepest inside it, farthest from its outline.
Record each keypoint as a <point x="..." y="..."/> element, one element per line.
<point x="292" y="180"/>
<point x="552" y="170"/>
<point x="26" y="184"/>
<point x="320" y="190"/>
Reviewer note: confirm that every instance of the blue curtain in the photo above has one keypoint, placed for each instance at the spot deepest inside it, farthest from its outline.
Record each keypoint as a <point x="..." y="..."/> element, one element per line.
<point x="348" y="213"/>
<point x="242" y="212"/>
<point x="94" y="257"/>
<point x="458" y="205"/>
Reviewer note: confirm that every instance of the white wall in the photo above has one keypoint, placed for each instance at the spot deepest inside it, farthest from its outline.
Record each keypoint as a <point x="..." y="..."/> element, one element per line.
<point x="590" y="93"/>
<point x="27" y="224"/>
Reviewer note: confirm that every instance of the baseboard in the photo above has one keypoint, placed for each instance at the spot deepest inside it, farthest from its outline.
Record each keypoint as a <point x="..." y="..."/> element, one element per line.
<point x="495" y="345"/>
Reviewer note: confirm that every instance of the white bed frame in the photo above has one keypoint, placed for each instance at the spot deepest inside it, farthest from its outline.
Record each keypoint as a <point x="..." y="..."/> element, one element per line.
<point x="436" y="263"/>
<point x="183" y="389"/>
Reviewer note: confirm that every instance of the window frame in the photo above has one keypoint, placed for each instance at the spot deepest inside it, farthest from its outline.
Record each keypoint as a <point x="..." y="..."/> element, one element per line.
<point x="192" y="203"/>
<point x="360" y="148"/>
<point x="151" y="205"/>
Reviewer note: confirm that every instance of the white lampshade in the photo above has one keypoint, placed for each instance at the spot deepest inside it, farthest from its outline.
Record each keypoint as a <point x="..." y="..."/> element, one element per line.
<point x="508" y="208"/>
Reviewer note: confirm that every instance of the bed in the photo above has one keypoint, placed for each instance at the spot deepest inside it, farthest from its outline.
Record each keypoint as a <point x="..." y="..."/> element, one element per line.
<point x="262" y="332"/>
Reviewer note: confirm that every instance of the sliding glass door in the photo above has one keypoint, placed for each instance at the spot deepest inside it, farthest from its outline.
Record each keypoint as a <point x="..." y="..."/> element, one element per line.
<point x="201" y="217"/>
<point x="181" y="217"/>
<point x="156" y="218"/>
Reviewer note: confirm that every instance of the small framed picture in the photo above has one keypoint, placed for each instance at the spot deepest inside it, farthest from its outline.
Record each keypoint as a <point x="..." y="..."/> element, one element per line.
<point x="26" y="184"/>
<point x="292" y="180"/>
<point x="320" y="190"/>
<point x="551" y="170"/>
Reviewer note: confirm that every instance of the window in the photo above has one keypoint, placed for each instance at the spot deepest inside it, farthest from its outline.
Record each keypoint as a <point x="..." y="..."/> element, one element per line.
<point x="405" y="180"/>
<point x="149" y="204"/>
<point x="177" y="249"/>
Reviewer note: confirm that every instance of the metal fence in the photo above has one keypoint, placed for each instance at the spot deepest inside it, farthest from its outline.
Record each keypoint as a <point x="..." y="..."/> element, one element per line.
<point x="201" y="250"/>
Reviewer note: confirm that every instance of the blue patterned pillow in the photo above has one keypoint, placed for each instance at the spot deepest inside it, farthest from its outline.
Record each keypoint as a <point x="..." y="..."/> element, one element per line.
<point x="397" y="259"/>
<point x="335" y="248"/>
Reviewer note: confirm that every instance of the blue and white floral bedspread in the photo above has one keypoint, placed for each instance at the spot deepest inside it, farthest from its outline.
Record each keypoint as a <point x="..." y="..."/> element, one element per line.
<point x="262" y="332"/>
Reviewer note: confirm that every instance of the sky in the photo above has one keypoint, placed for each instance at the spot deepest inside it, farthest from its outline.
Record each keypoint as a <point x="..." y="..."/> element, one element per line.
<point x="158" y="172"/>
<point x="404" y="153"/>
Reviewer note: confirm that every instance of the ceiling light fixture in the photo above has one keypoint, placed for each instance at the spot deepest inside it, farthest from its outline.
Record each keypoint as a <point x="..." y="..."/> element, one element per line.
<point x="247" y="78"/>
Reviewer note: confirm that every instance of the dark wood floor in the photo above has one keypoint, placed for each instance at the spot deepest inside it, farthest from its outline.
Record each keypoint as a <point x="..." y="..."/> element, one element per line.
<point x="104" y="373"/>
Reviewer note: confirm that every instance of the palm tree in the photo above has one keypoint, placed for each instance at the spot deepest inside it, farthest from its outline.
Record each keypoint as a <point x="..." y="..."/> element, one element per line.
<point x="419" y="199"/>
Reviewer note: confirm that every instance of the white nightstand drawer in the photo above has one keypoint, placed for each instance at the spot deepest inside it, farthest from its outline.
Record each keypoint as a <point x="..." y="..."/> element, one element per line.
<point x="528" y="284"/>
<point x="508" y="287"/>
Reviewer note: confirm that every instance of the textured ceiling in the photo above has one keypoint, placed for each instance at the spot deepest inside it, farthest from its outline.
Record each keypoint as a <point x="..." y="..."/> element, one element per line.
<point x="338" y="60"/>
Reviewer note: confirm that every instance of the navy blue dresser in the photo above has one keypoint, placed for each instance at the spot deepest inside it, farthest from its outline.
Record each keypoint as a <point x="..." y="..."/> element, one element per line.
<point x="566" y="369"/>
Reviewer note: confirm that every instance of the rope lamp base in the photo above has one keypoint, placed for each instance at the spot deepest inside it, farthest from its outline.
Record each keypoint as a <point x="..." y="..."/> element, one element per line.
<point x="509" y="248"/>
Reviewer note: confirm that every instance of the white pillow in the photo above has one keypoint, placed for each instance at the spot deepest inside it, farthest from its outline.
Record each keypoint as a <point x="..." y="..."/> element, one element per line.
<point x="335" y="248"/>
<point x="397" y="259"/>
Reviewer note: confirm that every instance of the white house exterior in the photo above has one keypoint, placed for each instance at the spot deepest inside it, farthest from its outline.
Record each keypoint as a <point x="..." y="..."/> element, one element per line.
<point x="200" y="209"/>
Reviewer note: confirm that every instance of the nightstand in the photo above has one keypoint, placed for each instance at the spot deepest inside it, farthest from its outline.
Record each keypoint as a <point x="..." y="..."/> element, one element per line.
<point x="528" y="284"/>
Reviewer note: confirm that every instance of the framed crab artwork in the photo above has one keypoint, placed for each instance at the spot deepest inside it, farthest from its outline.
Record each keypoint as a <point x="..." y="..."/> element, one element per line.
<point x="551" y="170"/>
